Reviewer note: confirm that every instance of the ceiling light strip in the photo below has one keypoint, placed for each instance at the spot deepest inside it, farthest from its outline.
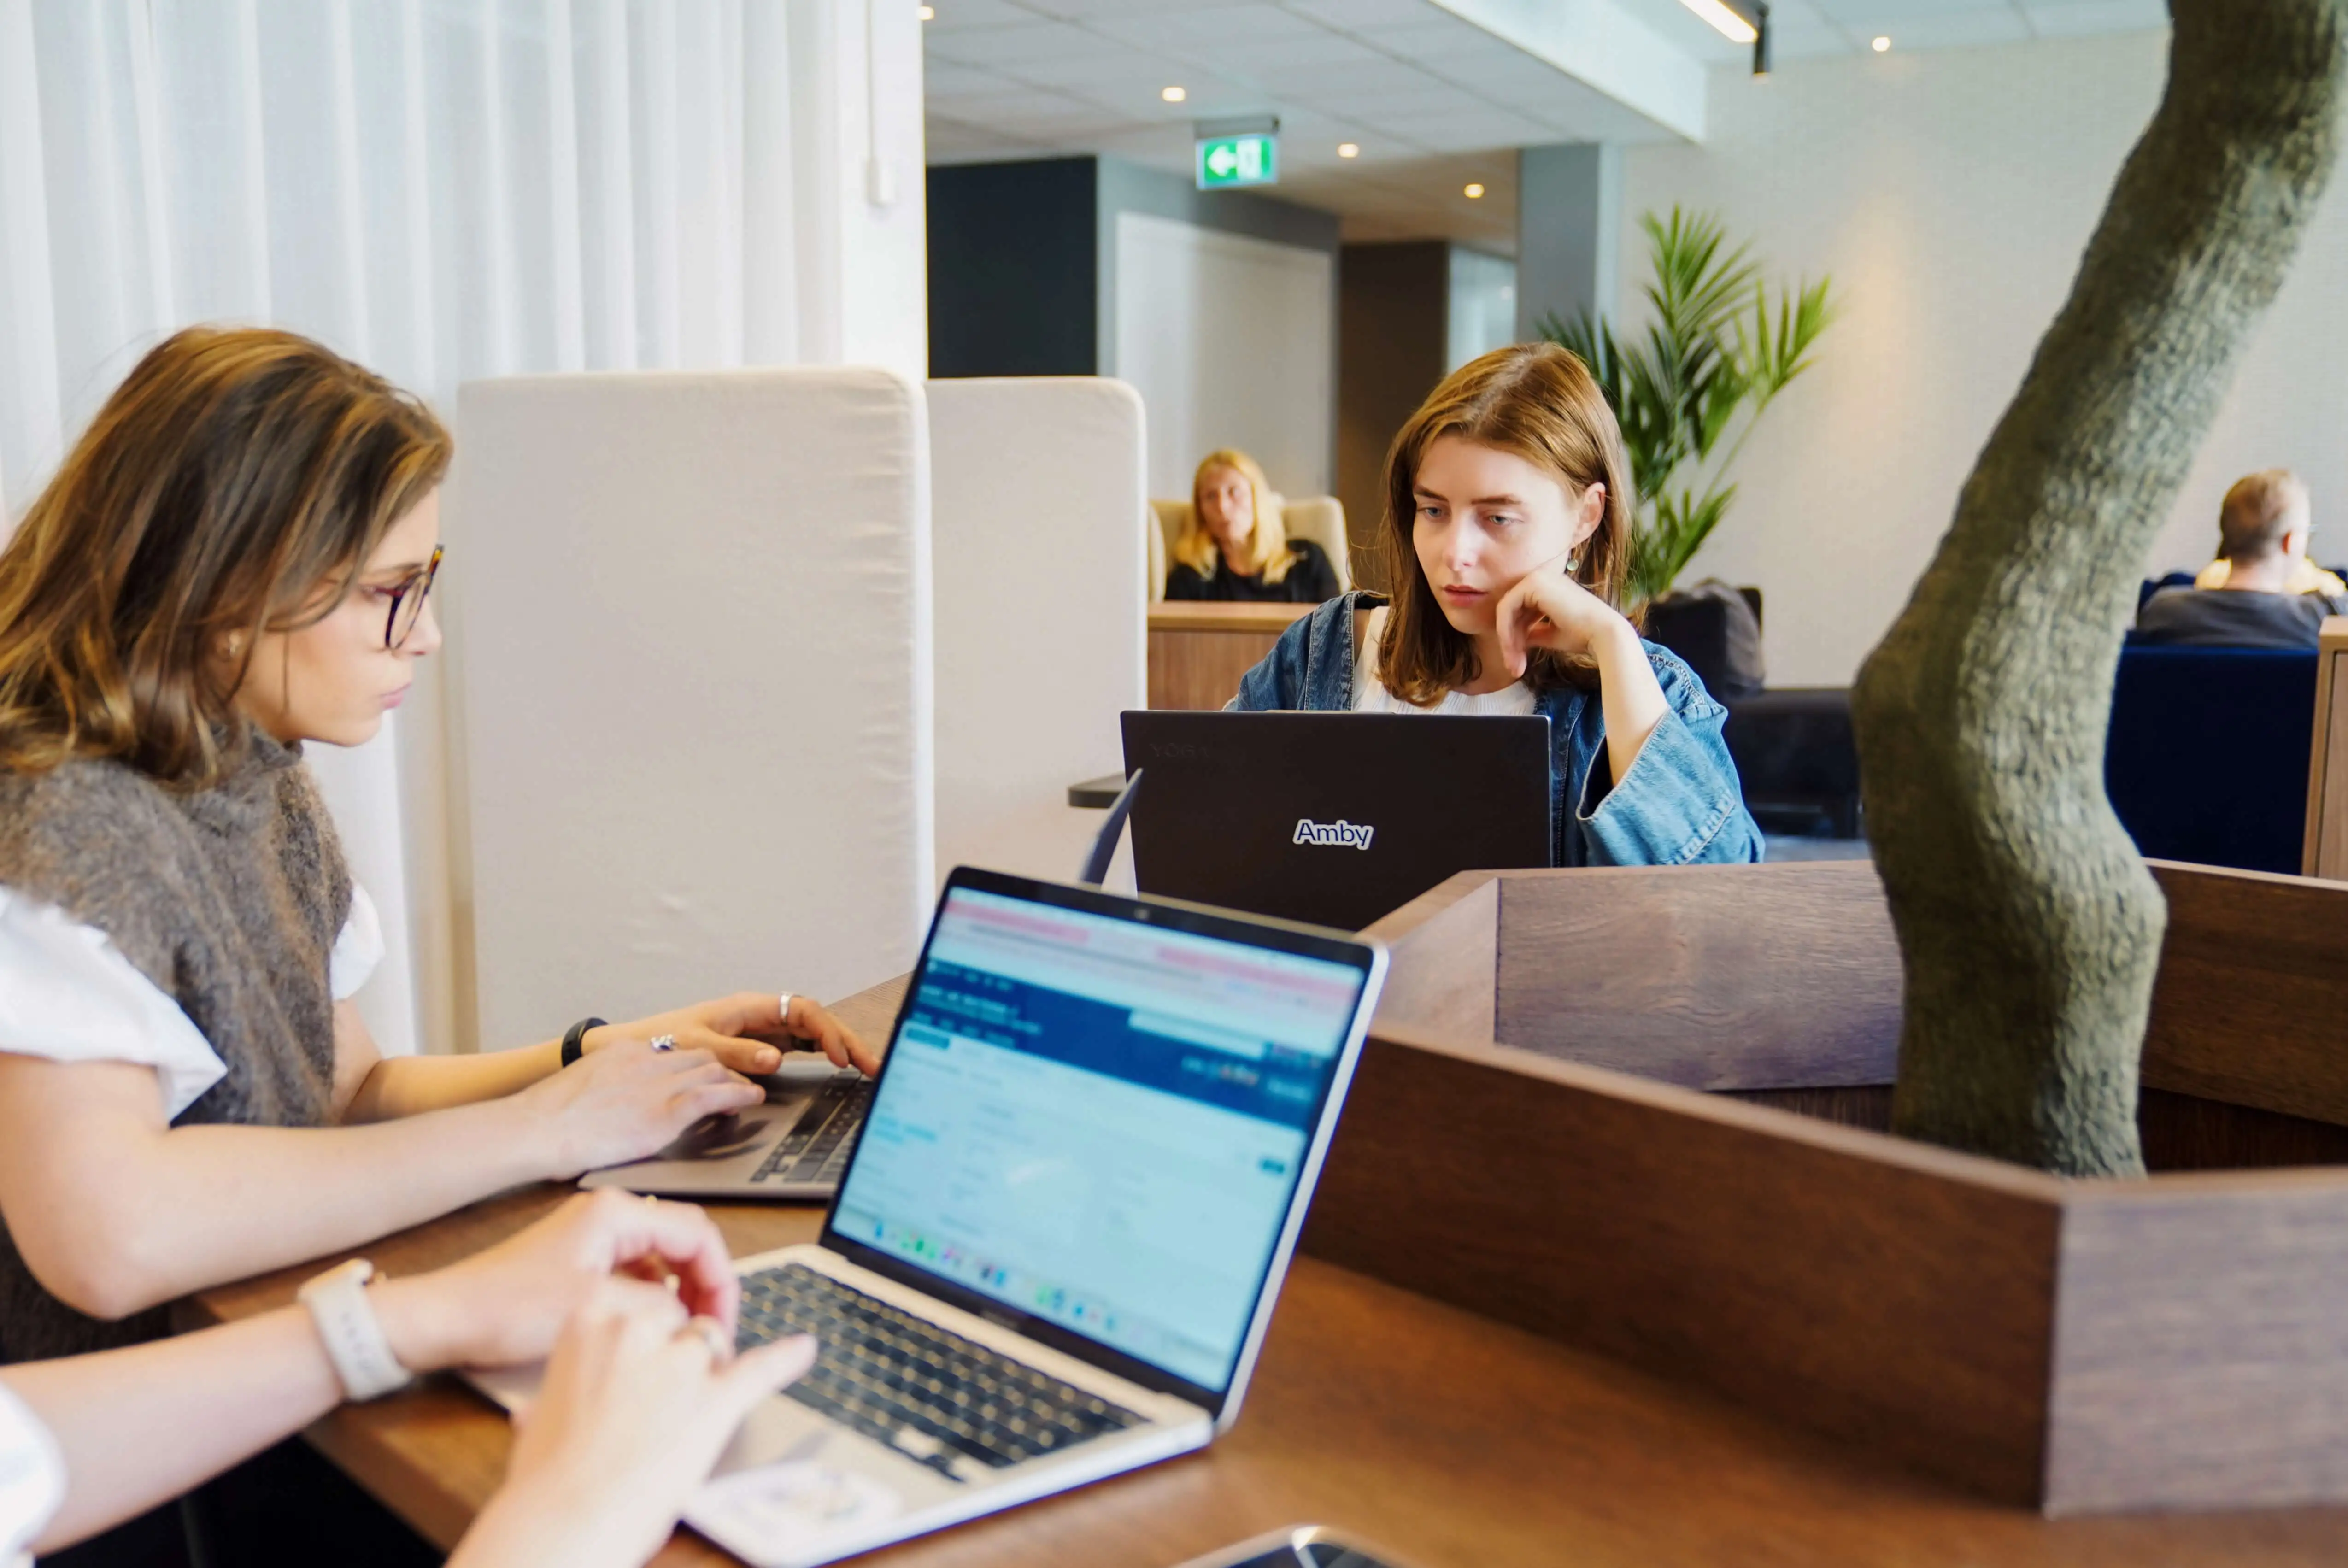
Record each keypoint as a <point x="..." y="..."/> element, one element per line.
<point x="1722" y="20"/>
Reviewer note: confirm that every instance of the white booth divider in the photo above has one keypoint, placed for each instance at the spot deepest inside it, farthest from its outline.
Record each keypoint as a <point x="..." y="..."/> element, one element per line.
<point x="1043" y="592"/>
<point x="694" y="667"/>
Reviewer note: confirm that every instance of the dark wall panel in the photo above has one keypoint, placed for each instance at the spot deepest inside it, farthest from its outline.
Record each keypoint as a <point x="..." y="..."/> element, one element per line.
<point x="1393" y="302"/>
<point x="1014" y="272"/>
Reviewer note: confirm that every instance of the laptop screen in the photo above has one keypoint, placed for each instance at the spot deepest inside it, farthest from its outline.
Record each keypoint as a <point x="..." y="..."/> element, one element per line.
<point x="1099" y="1122"/>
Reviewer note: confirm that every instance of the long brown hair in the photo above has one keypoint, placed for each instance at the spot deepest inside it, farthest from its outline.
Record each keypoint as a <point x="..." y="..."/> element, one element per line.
<point x="1537" y="401"/>
<point x="235" y="483"/>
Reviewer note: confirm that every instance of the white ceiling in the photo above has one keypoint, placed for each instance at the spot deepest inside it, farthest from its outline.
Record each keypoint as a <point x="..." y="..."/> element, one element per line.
<point x="1433" y="101"/>
<point x="1805" y="29"/>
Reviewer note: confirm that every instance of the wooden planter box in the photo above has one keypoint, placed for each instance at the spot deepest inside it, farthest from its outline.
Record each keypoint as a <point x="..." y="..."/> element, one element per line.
<point x="1671" y="1162"/>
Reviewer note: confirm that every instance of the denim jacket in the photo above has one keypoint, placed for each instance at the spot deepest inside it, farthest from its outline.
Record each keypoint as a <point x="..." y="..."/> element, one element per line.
<point x="1679" y="804"/>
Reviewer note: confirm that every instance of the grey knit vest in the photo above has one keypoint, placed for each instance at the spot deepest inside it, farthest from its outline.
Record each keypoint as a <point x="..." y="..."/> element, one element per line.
<point x="230" y="901"/>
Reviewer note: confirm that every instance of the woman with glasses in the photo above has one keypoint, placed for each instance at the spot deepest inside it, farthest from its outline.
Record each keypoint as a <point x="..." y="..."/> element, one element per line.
<point x="236" y="559"/>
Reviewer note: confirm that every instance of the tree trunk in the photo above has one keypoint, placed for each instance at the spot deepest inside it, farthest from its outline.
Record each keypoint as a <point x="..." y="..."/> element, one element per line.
<point x="2028" y="926"/>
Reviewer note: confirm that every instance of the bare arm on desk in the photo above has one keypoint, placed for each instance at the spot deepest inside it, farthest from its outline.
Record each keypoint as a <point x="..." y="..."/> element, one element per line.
<point x="138" y="1427"/>
<point x="747" y="1032"/>
<point x="115" y="1210"/>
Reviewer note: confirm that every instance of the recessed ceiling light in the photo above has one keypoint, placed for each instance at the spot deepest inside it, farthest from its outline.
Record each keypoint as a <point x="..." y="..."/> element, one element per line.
<point x="1173" y="95"/>
<point x="1348" y="150"/>
<point x="1880" y="45"/>
<point x="1724" y="22"/>
<point x="1474" y="191"/>
<point x="926" y="13"/>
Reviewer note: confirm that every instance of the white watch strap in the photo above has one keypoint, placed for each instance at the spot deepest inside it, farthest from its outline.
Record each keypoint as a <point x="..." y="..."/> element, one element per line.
<point x="346" y="1322"/>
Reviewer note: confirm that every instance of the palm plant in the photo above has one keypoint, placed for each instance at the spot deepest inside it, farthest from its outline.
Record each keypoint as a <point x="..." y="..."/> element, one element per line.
<point x="1719" y="343"/>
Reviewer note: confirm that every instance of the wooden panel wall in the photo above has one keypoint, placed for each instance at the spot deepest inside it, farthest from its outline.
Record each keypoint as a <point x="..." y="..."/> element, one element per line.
<point x="2181" y="1131"/>
<point x="2201" y="1352"/>
<point x="2325" y="853"/>
<point x="1199" y="652"/>
<point x="1722" y="977"/>
<point x="2251" y="1003"/>
<point x="1444" y="972"/>
<point x="1894" y="1294"/>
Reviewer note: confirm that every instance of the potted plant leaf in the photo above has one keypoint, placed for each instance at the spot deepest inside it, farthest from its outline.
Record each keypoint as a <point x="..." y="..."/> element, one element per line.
<point x="1689" y="391"/>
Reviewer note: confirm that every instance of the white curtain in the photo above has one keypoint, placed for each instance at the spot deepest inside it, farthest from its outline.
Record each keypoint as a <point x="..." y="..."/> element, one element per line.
<point x="442" y="189"/>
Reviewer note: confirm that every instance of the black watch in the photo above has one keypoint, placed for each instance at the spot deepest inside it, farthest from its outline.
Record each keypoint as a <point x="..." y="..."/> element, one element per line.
<point x="574" y="1038"/>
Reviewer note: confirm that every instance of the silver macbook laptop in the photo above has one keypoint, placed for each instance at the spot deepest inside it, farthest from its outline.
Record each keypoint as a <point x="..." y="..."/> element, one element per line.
<point x="1060" y="1235"/>
<point x="796" y="1145"/>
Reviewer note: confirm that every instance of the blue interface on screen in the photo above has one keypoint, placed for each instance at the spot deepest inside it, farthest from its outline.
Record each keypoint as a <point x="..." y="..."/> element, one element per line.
<point x="1101" y="1122"/>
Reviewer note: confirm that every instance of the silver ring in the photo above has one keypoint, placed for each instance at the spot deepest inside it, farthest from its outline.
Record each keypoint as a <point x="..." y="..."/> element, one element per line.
<point x="713" y="1333"/>
<point x="664" y="1042"/>
<point x="788" y="999"/>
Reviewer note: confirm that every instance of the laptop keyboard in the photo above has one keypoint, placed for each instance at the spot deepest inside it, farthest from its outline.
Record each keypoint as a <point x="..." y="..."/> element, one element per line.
<point x="951" y="1403"/>
<point x="816" y="1148"/>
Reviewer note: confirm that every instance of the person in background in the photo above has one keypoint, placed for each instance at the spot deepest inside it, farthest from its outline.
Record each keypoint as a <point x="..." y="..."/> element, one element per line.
<point x="2306" y="576"/>
<point x="1233" y="547"/>
<point x="1507" y="529"/>
<point x="2257" y="601"/>
<point x="642" y="1394"/>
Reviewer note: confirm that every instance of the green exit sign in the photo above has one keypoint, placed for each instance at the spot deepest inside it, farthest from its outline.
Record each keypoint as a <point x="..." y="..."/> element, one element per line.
<point x="1248" y="159"/>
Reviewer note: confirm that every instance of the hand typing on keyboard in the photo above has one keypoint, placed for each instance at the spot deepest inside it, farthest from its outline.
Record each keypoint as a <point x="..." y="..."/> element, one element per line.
<point x="638" y="1389"/>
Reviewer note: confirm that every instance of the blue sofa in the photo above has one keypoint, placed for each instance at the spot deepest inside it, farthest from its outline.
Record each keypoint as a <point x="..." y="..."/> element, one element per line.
<point x="2207" y="760"/>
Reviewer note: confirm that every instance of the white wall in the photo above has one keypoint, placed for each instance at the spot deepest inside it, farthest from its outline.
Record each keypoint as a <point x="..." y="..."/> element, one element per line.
<point x="1949" y="194"/>
<point x="1229" y="340"/>
<point x="1481" y="310"/>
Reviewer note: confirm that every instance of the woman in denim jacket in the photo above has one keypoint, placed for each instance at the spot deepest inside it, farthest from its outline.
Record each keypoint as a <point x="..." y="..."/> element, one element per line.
<point x="1508" y="534"/>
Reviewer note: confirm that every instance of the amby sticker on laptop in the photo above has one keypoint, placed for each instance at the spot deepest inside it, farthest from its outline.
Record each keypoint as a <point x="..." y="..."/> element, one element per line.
<point x="1341" y="833"/>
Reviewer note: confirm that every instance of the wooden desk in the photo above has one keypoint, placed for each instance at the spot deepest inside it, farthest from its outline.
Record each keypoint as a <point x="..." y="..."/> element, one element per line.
<point x="1199" y="652"/>
<point x="1454" y="1442"/>
<point x="2326" y="851"/>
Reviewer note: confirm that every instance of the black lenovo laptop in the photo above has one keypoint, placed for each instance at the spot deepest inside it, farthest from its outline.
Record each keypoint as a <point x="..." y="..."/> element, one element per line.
<point x="1337" y="819"/>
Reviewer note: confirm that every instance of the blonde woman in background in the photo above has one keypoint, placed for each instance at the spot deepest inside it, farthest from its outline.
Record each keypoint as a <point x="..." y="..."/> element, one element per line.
<point x="1233" y="547"/>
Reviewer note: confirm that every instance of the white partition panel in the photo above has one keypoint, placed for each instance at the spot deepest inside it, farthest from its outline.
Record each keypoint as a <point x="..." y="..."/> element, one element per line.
<point x="1043" y="589"/>
<point x="694" y="672"/>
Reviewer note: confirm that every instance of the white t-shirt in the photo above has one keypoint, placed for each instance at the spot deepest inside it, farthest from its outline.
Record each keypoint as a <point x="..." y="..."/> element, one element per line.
<point x="32" y="1481"/>
<point x="1370" y="695"/>
<point x="67" y="993"/>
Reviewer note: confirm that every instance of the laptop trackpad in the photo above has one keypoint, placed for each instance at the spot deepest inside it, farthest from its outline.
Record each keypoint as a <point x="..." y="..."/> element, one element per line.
<point x="793" y="1485"/>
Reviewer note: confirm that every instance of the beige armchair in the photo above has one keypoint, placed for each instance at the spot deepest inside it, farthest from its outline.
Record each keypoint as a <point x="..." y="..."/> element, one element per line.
<point x="1319" y="518"/>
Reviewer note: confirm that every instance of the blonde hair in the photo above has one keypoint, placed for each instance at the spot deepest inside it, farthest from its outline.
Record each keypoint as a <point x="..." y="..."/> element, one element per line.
<point x="1537" y="401"/>
<point x="230" y="478"/>
<point x="1268" y="539"/>
<point x="2251" y="518"/>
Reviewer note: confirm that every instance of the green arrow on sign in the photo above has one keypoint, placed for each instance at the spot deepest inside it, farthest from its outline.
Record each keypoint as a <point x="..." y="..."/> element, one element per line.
<point x="1250" y="158"/>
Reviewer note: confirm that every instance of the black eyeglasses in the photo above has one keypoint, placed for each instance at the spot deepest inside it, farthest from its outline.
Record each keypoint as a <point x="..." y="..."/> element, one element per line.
<point x="407" y="602"/>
